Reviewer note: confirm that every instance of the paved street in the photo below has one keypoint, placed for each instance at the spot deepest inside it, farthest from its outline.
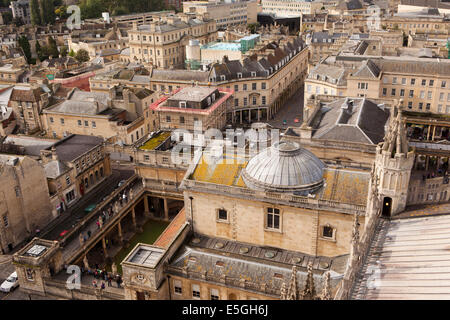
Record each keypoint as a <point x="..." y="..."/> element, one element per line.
<point x="69" y="218"/>
<point x="291" y="110"/>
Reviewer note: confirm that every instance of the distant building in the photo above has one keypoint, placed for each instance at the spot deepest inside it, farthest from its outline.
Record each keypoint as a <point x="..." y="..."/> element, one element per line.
<point x="21" y="10"/>
<point x="289" y="8"/>
<point x="161" y="43"/>
<point x="226" y="13"/>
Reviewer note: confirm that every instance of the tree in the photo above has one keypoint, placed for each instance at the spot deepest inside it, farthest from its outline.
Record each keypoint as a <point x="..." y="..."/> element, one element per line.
<point x="35" y="13"/>
<point x="82" y="55"/>
<point x="253" y="27"/>
<point x="72" y="53"/>
<point x="42" y="52"/>
<point x="25" y="45"/>
<point x="50" y="14"/>
<point x="52" y="47"/>
<point x="64" y="51"/>
<point x="7" y="17"/>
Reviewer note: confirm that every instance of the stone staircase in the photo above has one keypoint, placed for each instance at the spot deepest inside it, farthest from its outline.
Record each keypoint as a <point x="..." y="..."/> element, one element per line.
<point x="359" y="289"/>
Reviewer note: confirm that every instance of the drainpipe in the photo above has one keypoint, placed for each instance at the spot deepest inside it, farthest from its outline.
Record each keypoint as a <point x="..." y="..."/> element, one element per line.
<point x="192" y="214"/>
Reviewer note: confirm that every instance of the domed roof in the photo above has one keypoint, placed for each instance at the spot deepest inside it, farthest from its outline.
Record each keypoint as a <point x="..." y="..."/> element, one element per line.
<point x="284" y="167"/>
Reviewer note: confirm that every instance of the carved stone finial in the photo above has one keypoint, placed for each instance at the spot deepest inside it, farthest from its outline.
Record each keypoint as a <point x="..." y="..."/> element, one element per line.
<point x="283" y="291"/>
<point x="309" y="292"/>
<point x="292" y="293"/>
<point x="326" y="291"/>
<point x="355" y="231"/>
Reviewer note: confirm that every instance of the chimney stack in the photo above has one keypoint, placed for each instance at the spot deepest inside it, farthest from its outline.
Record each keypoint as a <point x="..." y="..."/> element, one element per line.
<point x="54" y="155"/>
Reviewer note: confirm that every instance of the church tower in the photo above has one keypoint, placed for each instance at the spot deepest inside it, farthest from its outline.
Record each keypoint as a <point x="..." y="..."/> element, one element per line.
<point x="393" y="163"/>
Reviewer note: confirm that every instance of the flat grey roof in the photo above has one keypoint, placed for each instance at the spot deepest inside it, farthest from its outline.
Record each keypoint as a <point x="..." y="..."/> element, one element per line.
<point x="192" y="93"/>
<point x="146" y="255"/>
<point x="74" y="146"/>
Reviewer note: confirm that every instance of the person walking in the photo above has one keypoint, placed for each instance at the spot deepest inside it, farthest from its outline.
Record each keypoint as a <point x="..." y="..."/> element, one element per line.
<point x="94" y="283"/>
<point x="103" y="286"/>
<point x="109" y="281"/>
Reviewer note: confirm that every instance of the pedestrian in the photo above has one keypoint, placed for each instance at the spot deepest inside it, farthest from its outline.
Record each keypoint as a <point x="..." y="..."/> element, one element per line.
<point x="124" y="196"/>
<point x="109" y="281"/>
<point x="89" y="233"/>
<point x="103" y="286"/>
<point x="94" y="283"/>
<point x="118" y="281"/>
<point x="98" y="224"/>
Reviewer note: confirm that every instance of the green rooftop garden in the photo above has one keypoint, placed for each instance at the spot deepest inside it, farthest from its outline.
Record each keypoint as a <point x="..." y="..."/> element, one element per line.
<point x="155" y="141"/>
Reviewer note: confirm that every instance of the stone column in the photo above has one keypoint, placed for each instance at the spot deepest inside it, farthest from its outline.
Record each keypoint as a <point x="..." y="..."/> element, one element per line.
<point x="427" y="162"/>
<point x="119" y="229"/>
<point x="166" y="210"/>
<point x="146" y="209"/>
<point x="105" y="252"/>
<point x="133" y="217"/>
<point x="240" y="115"/>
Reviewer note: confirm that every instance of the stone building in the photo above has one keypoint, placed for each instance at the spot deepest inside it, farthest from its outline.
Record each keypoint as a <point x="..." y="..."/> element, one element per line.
<point x="422" y="83"/>
<point x="225" y="13"/>
<point x="282" y="8"/>
<point x="162" y="43"/>
<point x="9" y="74"/>
<point x="266" y="77"/>
<point x="115" y="113"/>
<point x="27" y="103"/>
<point x="76" y="164"/>
<point x="25" y="203"/>
<point x="184" y="107"/>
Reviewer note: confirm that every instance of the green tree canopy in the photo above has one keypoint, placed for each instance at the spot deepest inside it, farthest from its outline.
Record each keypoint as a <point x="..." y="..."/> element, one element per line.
<point x="52" y="47"/>
<point x="35" y="12"/>
<point x="82" y="55"/>
<point x="25" y="45"/>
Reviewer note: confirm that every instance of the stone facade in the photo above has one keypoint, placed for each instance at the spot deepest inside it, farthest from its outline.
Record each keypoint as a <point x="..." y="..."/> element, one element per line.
<point x="25" y="203"/>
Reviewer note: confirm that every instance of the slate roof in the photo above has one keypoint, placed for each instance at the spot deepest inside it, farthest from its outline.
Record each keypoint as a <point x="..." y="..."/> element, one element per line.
<point x="254" y="266"/>
<point x="75" y="145"/>
<point x="263" y="67"/>
<point x="368" y="69"/>
<point x="62" y="61"/>
<point x="55" y="168"/>
<point x="30" y="95"/>
<point x="414" y="67"/>
<point x="182" y="75"/>
<point x="329" y="73"/>
<point x="362" y="123"/>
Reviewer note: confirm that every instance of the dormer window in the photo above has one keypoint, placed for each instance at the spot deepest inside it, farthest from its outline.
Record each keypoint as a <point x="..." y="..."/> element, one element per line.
<point x="253" y="74"/>
<point x="183" y="104"/>
<point x="239" y="75"/>
<point x="222" y="78"/>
